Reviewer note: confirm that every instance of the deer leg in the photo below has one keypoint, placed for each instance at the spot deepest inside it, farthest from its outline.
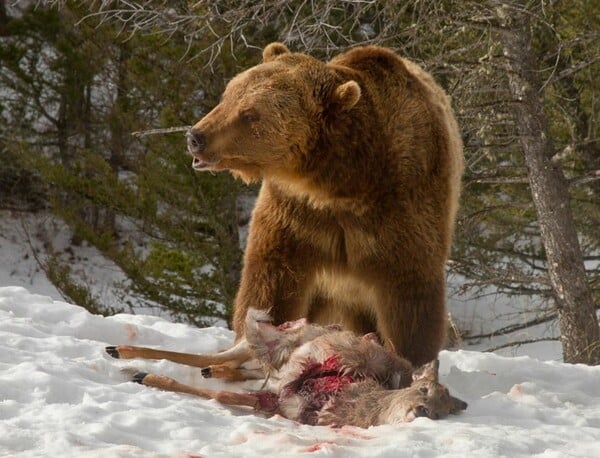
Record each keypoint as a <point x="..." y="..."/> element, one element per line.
<point x="263" y="401"/>
<point x="233" y="357"/>
<point x="232" y="374"/>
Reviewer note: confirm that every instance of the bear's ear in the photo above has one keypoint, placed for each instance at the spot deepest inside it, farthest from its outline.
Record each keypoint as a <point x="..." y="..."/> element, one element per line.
<point x="346" y="95"/>
<point x="274" y="50"/>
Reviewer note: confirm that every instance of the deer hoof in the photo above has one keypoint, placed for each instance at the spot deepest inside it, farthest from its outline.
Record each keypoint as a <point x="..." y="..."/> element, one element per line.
<point x="207" y="372"/>
<point x="139" y="377"/>
<point x="112" y="351"/>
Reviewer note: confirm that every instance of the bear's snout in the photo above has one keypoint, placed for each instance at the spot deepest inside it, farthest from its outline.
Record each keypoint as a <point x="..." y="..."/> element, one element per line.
<point x="196" y="142"/>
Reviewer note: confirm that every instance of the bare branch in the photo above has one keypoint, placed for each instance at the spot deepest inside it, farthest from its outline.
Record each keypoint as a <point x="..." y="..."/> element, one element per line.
<point x="497" y="180"/>
<point x="167" y="130"/>
<point x="518" y="343"/>
<point x="567" y="72"/>
<point x="514" y="327"/>
<point x="587" y="178"/>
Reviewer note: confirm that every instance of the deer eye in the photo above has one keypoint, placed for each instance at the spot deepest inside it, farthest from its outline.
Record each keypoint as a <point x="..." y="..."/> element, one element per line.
<point x="424" y="390"/>
<point x="421" y="411"/>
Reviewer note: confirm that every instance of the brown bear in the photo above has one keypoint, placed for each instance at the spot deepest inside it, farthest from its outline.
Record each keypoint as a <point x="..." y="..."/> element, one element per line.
<point x="360" y="160"/>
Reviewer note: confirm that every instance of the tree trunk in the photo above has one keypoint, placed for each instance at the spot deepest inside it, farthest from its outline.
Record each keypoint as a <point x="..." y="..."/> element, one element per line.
<point x="576" y="311"/>
<point x="3" y="17"/>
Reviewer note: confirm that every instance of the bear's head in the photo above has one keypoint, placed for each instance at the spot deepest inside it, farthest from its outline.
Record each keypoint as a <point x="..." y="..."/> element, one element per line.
<point x="271" y="116"/>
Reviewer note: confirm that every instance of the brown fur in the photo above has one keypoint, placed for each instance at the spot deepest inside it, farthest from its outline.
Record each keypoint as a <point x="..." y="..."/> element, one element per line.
<point x="360" y="160"/>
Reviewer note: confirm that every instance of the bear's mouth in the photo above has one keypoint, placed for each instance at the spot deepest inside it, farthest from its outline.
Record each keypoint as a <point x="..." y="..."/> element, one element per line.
<point x="199" y="164"/>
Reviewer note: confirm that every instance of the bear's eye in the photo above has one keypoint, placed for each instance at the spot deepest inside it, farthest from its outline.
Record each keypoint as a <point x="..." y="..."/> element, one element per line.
<point x="249" y="115"/>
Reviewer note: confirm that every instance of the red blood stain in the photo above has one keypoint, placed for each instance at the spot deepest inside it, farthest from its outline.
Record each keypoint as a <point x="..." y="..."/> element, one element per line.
<point x="267" y="401"/>
<point x="318" y="383"/>
<point x="131" y="332"/>
<point x="324" y="378"/>
<point x="352" y="432"/>
<point x="318" y="446"/>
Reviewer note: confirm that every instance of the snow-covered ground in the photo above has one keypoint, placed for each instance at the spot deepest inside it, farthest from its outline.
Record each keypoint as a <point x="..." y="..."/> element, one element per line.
<point x="61" y="395"/>
<point x="28" y="239"/>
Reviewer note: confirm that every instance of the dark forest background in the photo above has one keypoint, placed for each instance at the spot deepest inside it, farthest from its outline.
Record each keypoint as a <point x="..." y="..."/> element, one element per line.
<point x="78" y="78"/>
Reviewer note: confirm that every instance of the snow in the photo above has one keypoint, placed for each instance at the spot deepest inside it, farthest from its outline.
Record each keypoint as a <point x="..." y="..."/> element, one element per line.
<point x="61" y="395"/>
<point x="28" y="240"/>
<point x="489" y="311"/>
<point x="18" y="235"/>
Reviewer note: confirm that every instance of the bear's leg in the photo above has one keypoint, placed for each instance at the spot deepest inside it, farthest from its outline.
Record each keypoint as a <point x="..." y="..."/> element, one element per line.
<point x="276" y="277"/>
<point x="413" y="319"/>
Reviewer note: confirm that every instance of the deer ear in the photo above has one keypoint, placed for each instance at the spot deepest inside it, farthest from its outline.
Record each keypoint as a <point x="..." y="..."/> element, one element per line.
<point x="273" y="51"/>
<point x="346" y="95"/>
<point x="428" y="371"/>
<point x="371" y="337"/>
<point x="457" y="405"/>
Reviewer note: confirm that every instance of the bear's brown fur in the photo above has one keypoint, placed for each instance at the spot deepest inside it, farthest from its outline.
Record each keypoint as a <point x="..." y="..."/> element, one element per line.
<point x="360" y="160"/>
